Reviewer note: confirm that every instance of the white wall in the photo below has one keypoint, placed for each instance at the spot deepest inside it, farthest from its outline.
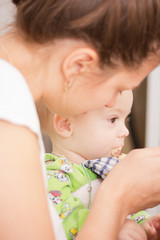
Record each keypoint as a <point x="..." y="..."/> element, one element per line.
<point x="153" y="116"/>
<point x="153" y="109"/>
<point x="7" y="11"/>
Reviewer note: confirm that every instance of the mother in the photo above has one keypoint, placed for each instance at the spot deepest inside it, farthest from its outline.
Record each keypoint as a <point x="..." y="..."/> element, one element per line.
<point x="75" y="55"/>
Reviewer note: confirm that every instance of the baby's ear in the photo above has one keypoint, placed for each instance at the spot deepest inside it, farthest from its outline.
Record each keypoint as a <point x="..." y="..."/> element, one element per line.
<point x="62" y="126"/>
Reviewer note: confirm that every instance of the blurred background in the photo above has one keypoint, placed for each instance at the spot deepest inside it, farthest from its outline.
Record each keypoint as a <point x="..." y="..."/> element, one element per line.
<point x="144" y="125"/>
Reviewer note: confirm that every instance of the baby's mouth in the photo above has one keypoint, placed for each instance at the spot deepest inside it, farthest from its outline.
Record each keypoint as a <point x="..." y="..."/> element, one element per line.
<point x="116" y="152"/>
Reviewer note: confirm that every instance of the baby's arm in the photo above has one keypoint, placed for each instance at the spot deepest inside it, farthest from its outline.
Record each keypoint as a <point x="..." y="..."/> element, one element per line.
<point x="152" y="227"/>
<point x="131" y="230"/>
<point x="148" y="230"/>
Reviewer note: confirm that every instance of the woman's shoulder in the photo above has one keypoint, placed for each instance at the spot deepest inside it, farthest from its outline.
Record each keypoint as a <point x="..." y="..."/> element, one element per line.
<point x="16" y="102"/>
<point x="7" y="69"/>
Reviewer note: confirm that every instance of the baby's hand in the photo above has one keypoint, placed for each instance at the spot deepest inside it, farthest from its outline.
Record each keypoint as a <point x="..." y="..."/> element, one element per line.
<point x="131" y="230"/>
<point x="152" y="227"/>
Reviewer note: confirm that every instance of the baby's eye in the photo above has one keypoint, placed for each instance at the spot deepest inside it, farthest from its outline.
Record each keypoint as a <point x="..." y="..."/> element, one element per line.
<point x="113" y="119"/>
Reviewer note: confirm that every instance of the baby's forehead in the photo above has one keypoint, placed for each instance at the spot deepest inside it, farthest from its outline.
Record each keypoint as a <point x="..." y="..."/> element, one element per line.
<point x="124" y="100"/>
<point x="123" y="105"/>
<point x="115" y="111"/>
<point x="103" y="110"/>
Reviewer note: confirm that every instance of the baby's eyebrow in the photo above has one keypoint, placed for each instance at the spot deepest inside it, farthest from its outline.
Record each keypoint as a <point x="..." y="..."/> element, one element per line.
<point x="117" y="111"/>
<point x="112" y="109"/>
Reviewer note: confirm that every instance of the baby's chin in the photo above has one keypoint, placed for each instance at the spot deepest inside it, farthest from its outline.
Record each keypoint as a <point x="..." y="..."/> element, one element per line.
<point x="116" y="152"/>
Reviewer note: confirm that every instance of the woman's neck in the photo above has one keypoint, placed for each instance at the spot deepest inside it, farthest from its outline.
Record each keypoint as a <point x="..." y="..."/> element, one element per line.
<point x="28" y="58"/>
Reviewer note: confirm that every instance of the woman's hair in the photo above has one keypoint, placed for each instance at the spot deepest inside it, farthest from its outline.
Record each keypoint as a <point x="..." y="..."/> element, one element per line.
<point x="127" y="30"/>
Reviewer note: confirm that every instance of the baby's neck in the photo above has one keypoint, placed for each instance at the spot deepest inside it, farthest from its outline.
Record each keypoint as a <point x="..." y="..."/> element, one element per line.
<point x="69" y="155"/>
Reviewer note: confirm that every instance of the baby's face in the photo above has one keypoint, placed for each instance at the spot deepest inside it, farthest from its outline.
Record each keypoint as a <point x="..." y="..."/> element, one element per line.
<point x="101" y="133"/>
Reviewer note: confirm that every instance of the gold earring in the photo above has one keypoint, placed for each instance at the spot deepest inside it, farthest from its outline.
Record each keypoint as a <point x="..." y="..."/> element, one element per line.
<point x="68" y="84"/>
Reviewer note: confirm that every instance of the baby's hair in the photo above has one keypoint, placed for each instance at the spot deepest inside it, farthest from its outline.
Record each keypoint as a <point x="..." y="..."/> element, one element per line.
<point x="127" y="30"/>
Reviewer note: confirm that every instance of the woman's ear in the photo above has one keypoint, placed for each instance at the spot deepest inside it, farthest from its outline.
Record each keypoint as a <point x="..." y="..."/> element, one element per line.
<point x="62" y="126"/>
<point x="78" y="62"/>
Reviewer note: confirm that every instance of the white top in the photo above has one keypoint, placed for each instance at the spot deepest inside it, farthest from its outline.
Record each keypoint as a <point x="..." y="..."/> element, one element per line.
<point x="17" y="106"/>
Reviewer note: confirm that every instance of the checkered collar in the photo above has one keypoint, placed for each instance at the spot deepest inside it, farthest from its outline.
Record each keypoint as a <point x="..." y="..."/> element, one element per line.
<point x="101" y="166"/>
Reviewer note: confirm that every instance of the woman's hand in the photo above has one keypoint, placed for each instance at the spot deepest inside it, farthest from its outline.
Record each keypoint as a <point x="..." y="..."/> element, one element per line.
<point x="136" y="179"/>
<point x="132" y="185"/>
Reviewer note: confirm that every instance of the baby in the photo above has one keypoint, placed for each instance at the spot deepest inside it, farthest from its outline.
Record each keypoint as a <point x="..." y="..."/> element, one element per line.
<point x="85" y="149"/>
